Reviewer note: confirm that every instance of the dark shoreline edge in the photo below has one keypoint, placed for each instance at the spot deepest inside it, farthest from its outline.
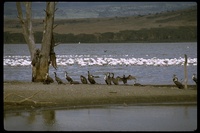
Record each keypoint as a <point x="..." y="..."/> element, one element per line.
<point x="101" y="106"/>
<point x="154" y="85"/>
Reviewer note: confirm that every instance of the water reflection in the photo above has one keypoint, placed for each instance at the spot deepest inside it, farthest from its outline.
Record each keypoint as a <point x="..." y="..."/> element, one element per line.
<point x="27" y="120"/>
<point x="112" y="118"/>
<point x="48" y="117"/>
<point x="31" y="117"/>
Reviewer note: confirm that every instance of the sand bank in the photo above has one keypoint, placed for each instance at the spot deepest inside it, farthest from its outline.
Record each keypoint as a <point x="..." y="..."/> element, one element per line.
<point x="55" y="95"/>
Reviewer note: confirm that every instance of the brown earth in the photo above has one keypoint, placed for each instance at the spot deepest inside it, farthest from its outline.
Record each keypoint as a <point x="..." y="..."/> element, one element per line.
<point x="55" y="95"/>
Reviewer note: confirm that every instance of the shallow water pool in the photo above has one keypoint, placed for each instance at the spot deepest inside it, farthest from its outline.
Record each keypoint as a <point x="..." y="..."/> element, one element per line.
<point x="109" y="118"/>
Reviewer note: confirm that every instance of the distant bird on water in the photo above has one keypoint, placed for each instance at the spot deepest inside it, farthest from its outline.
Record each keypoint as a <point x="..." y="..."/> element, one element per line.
<point x="177" y="83"/>
<point x="83" y="79"/>
<point x="194" y="78"/>
<point x="91" y="78"/>
<point x="59" y="81"/>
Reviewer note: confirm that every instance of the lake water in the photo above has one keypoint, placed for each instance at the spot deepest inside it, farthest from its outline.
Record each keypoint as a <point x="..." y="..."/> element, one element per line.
<point x="110" y="118"/>
<point x="150" y="63"/>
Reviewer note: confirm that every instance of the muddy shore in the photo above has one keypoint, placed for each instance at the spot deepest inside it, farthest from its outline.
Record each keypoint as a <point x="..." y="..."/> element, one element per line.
<point x="28" y="95"/>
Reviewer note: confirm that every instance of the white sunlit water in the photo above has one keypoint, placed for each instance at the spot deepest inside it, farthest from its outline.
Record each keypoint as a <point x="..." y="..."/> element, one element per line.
<point x="104" y="60"/>
<point x="143" y="60"/>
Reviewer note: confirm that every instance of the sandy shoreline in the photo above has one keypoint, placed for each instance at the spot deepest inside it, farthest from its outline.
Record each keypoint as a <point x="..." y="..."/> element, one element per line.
<point x="55" y="95"/>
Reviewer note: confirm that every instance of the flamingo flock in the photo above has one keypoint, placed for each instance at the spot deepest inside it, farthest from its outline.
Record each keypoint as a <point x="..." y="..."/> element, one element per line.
<point x="84" y="60"/>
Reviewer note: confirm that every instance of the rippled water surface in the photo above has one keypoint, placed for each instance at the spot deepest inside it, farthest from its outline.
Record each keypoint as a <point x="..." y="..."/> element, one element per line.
<point x="112" y="118"/>
<point x="150" y="63"/>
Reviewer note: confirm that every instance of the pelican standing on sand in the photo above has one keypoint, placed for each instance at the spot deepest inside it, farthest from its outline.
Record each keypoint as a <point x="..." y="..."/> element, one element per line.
<point x="91" y="78"/>
<point x="83" y="79"/>
<point x="115" y="80"/>
<point x="194" y="78"/>
<point x="137" y="84"/>
<point x="48" y="79"/>
<point x="176" y="82"/>
<point x="108" y="79"/>
<point x="74" y="82"/>
<point x="68" y="78"/>
<point x="59" y="81"/>
<point x="129" y="77"/>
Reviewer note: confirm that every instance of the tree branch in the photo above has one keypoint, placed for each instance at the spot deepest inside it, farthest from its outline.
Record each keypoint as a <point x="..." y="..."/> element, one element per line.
<point x="56" y="44"/>
<point x="27" y="26"/>
<point x="20" y="14"/>
<point x="19" y="9"/>
<point x="47" y="13"/>
<point x="55" y="26"/>
<point x="21" y="20"/>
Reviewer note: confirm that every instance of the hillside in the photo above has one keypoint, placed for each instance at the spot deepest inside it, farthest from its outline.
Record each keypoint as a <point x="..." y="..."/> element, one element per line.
<point x="69" y="10"/>
<point x="144" y="26"/>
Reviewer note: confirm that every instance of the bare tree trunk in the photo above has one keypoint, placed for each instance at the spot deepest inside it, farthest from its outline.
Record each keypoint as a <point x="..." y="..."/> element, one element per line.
<point x="27" y="31"/>
<point x="47" y="40"/>
<point x="27" y="27"/>
<point x="40" y="58"/>
<point x="185" y="72"/>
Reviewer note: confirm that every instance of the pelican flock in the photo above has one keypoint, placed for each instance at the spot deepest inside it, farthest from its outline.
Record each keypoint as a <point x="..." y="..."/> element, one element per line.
<point x="109" y="79"/>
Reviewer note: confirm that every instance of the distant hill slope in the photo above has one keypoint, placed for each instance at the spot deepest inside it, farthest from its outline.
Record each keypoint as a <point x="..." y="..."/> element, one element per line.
<point x="187" y="17"/>
<point x="173" y="20"/>
<point x="69" y="10"/>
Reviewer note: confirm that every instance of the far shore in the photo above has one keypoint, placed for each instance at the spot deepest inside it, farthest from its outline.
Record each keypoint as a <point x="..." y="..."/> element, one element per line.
<point x="40" y="96"/>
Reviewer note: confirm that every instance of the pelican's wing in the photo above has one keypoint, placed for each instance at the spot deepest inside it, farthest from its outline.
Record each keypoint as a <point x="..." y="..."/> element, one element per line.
<point x="94" y="76"/>
<point x="131" y="77"/>
<point x="179" y="84"/>
<point x="195" y="79"/>
<point x="119" y="78"/>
